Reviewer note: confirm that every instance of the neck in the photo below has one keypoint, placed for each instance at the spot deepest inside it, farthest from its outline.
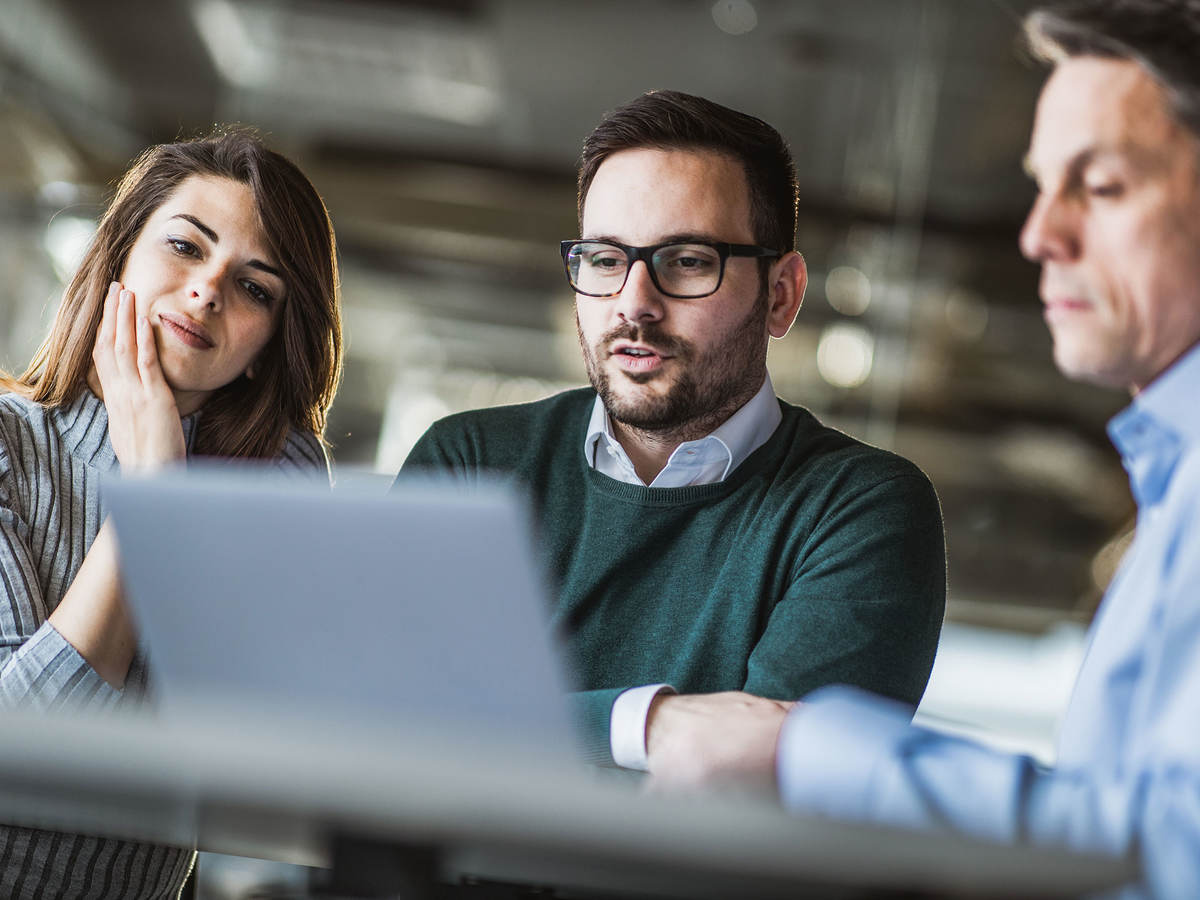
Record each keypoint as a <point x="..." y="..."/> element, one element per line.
<point x="650" y="448"/>
<point x="647" y="450"/>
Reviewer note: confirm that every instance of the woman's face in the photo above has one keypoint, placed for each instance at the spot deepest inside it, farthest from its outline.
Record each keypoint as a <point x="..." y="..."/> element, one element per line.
<point x="201" y="273"/>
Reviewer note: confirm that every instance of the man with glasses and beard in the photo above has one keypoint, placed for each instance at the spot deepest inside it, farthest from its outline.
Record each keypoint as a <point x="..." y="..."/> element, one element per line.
<point x="715" y="550"/>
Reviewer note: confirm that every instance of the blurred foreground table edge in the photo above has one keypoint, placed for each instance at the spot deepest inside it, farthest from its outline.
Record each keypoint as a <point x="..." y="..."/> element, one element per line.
<point x="296" y="790"/>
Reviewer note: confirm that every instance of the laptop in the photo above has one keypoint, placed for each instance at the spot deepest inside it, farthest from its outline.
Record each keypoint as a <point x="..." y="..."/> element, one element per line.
<point x="420" y="610"/>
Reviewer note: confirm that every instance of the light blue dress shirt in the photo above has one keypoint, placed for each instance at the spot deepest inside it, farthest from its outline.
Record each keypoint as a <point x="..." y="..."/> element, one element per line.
<point x="1127" y="779"/>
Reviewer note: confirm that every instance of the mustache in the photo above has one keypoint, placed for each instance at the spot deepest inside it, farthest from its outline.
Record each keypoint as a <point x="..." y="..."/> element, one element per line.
<point x="1056" y="282"/>
<point x="650" y="334"/>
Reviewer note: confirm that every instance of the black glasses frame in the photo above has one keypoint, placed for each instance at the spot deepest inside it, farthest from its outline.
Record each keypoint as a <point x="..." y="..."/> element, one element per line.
<point x="646" y="255"/>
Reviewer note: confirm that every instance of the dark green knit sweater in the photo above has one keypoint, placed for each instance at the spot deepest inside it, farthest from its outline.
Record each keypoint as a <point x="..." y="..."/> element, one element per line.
<point x="818" y="560"/>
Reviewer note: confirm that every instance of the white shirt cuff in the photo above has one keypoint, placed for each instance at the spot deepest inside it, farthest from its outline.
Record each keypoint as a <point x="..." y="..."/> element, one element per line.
<point x="627" y="727"/>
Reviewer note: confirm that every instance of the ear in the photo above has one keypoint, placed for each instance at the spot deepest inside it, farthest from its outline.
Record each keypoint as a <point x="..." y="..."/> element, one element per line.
<point x="786" y="281"/>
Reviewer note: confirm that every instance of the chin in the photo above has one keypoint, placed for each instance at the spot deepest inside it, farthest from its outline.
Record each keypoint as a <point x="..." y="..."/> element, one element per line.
<point x="1100" y="372"/>
<point x="641" y="389"/>
<point x="630" y="410"/>
<point x="184" y="383"/>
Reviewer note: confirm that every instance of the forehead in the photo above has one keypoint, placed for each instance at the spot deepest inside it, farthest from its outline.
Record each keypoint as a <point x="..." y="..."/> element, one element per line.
<point x="224" y="205"/>
<point x="644" y="195"/>
<point x="1092" y="104"/>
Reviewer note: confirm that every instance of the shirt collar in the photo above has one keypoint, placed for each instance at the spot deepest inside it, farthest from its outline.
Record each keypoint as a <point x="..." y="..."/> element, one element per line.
<point x="739" y="435"/>
<point x="750" y="427"/>
<point x="1155" y="429"/>
<point x="1171" y="398"/>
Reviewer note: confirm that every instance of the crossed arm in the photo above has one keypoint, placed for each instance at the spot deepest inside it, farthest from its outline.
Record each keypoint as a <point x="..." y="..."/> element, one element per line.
<point x="863" y="607"/>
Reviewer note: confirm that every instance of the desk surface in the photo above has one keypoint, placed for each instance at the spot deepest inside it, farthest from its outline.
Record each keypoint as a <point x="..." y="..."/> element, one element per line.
<point x="282" y="790"/>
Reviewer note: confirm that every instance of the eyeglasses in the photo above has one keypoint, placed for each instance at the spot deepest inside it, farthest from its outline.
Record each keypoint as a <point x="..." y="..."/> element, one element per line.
<point x="684" y="270"/>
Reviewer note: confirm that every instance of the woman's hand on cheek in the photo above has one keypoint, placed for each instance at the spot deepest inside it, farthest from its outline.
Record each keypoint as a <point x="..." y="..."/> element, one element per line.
<point x="143" y="420"/>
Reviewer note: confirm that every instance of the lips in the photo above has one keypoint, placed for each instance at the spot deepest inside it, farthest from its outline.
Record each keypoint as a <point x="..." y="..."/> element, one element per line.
<point x="186" y="330"/>
<point x="636" y="350"/>
<point x="1064" y="291"/>
<point x="637" y="357"/>
<point x="1055" y="307"/>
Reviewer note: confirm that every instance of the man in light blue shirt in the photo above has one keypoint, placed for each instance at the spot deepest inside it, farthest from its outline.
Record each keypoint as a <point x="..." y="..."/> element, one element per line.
<point x="1115" y="153"/>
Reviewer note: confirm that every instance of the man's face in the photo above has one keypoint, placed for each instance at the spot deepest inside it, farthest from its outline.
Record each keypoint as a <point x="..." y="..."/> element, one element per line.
<point x="659" y="363"/>
<point x="1116" y="225"/>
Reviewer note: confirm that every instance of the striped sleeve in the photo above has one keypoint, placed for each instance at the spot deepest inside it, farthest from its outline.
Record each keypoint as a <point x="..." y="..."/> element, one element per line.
<point x="43" y="864"/>
<point x="38" y="666"/>
<point x="303" y="454"/>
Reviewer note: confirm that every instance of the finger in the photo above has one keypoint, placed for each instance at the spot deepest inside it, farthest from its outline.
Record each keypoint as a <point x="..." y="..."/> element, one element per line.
<point x="102" y="354"/>
<point x="147" y="355"/>
<point x="108" y="317"/>
<point x="125" y="339"/>
<point x="108" y="321"/>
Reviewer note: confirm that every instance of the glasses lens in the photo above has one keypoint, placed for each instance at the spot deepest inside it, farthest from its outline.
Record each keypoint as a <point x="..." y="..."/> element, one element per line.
<point x="688" y="270"/>
<point x="595" y="267"/>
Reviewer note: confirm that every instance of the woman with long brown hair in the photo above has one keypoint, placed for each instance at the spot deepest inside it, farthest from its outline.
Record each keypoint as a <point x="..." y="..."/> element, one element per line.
<point x="204" y="320"/>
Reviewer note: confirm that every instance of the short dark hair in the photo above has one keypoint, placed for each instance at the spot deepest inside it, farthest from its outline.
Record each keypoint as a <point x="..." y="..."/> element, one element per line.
<point x="670" y="120"/>
<point x="1163" y="36"/>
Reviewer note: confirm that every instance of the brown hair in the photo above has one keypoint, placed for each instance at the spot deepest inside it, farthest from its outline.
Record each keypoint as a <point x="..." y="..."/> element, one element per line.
<point x="1162" y="36"/>
<point x="297" y="373"/>
<point x="670" y="120"/>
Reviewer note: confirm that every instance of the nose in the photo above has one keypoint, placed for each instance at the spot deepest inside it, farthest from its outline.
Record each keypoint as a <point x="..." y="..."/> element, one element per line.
<point x="208" y="286"/>
<point x="639" y="300"/>
<point x="1051" y="230"/>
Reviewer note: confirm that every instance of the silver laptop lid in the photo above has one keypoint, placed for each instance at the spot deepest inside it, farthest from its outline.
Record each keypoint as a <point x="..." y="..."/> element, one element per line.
<point x="420" y="610"/>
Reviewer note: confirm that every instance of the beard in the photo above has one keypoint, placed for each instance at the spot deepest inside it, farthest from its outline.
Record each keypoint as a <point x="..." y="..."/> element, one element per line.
<point x="709" y="386"/>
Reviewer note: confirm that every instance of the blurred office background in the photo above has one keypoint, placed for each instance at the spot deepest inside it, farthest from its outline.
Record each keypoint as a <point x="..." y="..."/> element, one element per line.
<point x="443" y="135"/>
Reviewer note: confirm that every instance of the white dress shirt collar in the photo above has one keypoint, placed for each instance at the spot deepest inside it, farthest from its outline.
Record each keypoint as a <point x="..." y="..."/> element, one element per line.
<point x="704" y="461"/>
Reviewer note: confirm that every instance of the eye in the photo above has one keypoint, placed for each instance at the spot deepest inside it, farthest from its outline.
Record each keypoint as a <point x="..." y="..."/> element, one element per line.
<point x="183" y="246"/>
<point x="689" y="259"/>
<point x="602" y="258"/>
<point x="257" y="292"/>
<point x="1108" y="189"/>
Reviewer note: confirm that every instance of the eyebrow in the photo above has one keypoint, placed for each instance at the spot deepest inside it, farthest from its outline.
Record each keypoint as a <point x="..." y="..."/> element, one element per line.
<point x="263" y="267"/>
<point x="208" y="232"/>
<point x="1143" y="159"/>
<point x="685" y="237"/>
<point x="1075" y="163"/>
<point x="212" y="236"/>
